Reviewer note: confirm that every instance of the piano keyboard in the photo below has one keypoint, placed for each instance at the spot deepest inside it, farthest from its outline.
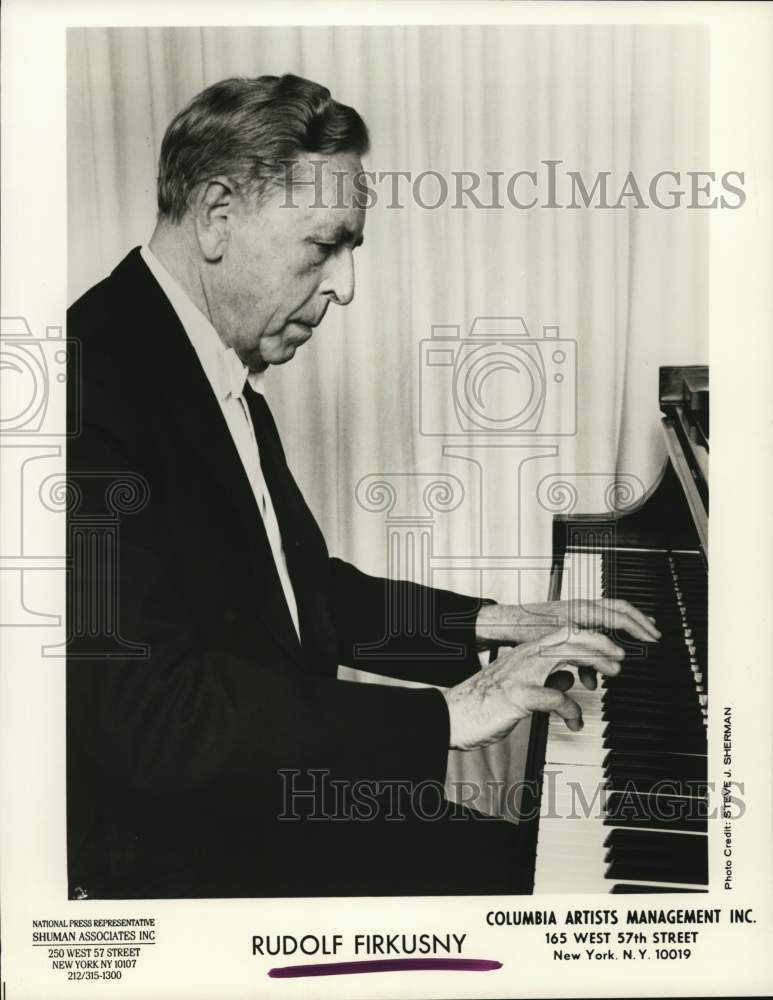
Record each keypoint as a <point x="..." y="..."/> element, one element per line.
<point x="624" y="801"/>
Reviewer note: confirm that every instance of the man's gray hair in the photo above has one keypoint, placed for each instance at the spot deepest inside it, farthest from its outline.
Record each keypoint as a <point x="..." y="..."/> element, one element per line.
<point x="250" y="130"/>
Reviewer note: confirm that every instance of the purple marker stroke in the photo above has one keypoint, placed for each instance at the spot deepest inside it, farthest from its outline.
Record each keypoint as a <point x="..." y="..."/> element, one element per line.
<point x="386" y="965"/>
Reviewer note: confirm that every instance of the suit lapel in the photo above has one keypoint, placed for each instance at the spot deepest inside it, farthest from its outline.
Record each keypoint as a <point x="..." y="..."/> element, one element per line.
<point x="182" y="389"/>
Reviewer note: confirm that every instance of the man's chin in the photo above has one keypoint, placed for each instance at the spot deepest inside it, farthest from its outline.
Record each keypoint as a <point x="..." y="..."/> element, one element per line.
<point x="282" y="355"/>
<point x="287" y="354"/>
<point x="278" y="351"/>
<point x="294" y="336"/>
<point x="299" y="334"/>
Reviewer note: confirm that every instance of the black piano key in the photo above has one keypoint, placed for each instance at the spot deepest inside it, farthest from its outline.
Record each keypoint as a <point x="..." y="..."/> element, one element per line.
<point x="632" y="730"/>
<point x="640" y="700"/>
<point x="680" y="768"/>
<point x="642" y="716"/>
<point x="656" y="653"/>
<point x="621" y="737"/>
<point x="668" y="696"/>
<point x="652" y="673"/>
<point x="660" y="591"/>
<point x="690" y="858"/>
<point x="650" y="661"/>
<point x="631" y="719"/>
<point x="642" y="772"/>
<point x="662" y="674"/>
<point x="665" y="686"/>
<point x="656" y="812"/>
<point x="642" y="839"/>
<point x="668" y="687"/>
<point x="650" y="784"/>
<point x="642" y="871"/>
<point x="632" y="722"/>
<point x="667" y="693"/>
<point x="629" y="889"/>
<point x="637" y="741"/>
<point x="691" y="765"/>
<point x="688" y="765"/>
<point x="618" y="778"/>
<point x="659" y="866"/>
<point x="685" y="778"/>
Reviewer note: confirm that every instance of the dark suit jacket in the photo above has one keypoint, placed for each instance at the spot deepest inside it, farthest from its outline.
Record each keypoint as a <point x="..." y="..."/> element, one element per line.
<point x="189" y="697"/>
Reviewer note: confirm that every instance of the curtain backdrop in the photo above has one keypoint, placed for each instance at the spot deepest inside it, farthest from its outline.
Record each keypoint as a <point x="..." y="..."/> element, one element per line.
<point x="380" y="438"/>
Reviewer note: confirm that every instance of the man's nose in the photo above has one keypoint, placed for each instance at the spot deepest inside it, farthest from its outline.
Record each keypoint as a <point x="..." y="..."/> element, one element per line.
<point x="339" y="280"/>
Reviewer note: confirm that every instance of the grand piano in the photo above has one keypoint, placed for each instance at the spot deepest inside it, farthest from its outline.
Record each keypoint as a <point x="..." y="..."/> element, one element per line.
<point x="622" y="806"/>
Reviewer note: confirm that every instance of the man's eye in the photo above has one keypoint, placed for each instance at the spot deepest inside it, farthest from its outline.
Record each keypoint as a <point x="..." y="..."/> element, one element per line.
<point x="324" y="248"/>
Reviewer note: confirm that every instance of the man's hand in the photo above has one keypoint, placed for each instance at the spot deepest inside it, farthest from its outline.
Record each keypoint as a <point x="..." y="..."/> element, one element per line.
<point x="527" y="679"/>
<point x="510" y="624"/>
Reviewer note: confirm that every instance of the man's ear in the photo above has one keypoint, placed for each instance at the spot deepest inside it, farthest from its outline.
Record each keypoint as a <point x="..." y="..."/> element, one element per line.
<point x="213" y="208"/>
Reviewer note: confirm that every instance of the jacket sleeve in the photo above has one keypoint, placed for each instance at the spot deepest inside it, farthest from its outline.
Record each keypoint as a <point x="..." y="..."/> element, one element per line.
<point x="183" y="721"/>
<point x="402" y="629"/>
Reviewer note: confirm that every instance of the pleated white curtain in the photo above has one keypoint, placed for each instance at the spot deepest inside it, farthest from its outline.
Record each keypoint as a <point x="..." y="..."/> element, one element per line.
<point x="357" y="405"/>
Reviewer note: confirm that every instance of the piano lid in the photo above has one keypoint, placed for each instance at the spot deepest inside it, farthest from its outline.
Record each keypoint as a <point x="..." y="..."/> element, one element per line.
<point x="684" y="401"/>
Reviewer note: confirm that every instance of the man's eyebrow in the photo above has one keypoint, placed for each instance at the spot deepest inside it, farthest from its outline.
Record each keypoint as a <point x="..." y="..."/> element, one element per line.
<point x="342" y="234"/>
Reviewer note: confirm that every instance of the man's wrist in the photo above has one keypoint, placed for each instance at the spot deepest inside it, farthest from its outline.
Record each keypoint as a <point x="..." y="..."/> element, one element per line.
<point x="455" y="720"/>
<point x="488" y="625"/>
<point x="503" y="625"/>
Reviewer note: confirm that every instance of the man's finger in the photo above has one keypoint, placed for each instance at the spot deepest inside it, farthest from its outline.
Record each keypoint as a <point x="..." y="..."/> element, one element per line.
<point x="647" y="622"/>
<point x="590" y="641"/>
<point x="563" y="705"/>
<point x="639" y="625"/>
<point x="572" y="653"/>
<point x="562" y="680"/>
<point x="621" y="622"/>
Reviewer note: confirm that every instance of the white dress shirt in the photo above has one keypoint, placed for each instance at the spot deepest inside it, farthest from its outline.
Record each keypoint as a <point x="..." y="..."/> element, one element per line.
<point x="227" y="374"/>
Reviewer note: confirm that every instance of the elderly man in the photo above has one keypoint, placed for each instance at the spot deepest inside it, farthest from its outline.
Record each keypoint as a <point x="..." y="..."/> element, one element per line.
<point x="220" y="692"/>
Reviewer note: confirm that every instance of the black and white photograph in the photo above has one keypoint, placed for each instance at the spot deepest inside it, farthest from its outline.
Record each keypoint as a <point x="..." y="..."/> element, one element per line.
<point x="356" y="551"/>
<point x="212" y="749"/>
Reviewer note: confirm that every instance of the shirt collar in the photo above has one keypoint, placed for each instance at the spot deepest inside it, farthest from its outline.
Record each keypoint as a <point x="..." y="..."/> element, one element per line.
<point x="224" y="369"/>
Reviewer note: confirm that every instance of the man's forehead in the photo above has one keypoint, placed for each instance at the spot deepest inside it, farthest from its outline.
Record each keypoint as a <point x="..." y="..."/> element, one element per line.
<point x="327" y="199"/>
<point x="333" y="180"/>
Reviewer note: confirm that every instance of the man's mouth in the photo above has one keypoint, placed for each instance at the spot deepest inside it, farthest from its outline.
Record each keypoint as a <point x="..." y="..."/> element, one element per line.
<point x="304" y="330"/>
